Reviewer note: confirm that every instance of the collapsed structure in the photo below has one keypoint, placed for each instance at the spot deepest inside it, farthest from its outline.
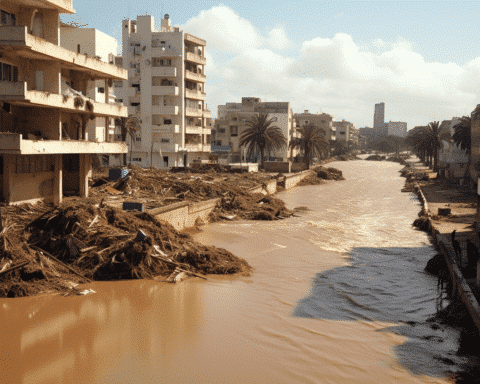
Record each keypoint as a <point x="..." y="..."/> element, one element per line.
<point x="47" y="129"/>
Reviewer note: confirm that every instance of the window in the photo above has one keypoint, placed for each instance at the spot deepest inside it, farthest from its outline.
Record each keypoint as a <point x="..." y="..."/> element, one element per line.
<point x="139" y="159"/>
<point x="78" y="48"/>
<point x="118" y="84"/>
<point x="101" y="90"/>
<point x="138" y="138"/>
<point x="8" y="18"/>
<point x="221" y="130"/>
<point x="165" y="140"/>
<point x="167" y="121"/>
<point x="8" y="72"/>
<point x="34" y="164"/>
<point x="135" y="104"/>
<point x="233" y="131"/>
<point x="158" y="62"/>
<point x="165" y="161"/>
<point x="235" y="119"/>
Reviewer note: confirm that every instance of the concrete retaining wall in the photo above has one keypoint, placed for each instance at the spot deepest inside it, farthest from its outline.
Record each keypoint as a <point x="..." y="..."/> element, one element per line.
<point x="184" y="214"/>
<point x="292" y="180"/>
<point x="269" y="188"/>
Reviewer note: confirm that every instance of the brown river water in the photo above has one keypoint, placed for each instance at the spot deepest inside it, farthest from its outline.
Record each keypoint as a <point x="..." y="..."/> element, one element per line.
<point x="338" y="295"/>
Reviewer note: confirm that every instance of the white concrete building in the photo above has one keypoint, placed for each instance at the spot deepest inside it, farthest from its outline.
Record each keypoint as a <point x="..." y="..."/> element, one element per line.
<point x="397" y="128"/>
<point x="166" y="90"/>
<point x="45" y="148"/>
<point x="94" y="43"/>
<point x="231" y="123"/>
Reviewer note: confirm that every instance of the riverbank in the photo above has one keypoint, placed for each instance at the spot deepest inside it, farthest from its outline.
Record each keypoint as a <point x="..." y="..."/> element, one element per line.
<point x="45" y="249"/>
<point x="449" y="206"/>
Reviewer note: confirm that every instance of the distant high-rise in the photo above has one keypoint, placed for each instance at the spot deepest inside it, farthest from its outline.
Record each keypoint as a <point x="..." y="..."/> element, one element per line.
<point x="379" y="118"/>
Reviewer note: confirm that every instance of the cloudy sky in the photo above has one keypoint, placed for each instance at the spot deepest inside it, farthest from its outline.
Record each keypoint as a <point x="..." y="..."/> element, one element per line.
<point x="421" y="58"/>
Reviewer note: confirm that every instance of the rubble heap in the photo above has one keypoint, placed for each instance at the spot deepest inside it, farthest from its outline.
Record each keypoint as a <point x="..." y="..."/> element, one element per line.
<point x="45" y="249"/>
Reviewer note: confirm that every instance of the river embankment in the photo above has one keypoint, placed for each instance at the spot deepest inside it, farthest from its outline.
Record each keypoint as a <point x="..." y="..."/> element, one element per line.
<point x="46" y="249"/>
<point x="338" y="295"/>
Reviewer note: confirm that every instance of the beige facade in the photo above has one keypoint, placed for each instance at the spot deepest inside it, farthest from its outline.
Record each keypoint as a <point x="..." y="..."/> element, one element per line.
<point x="166" y="90"/>
<point x="321" y="120"/>
<point x="232" y="122"/>
<point x="344" y="130"/>
<point x="45" y="146"/>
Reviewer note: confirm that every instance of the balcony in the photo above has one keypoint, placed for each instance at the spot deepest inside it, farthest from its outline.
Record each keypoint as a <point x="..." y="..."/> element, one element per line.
<point x="133" y="73"/>
<point x="193" y="147"/>
<point x="165" y="90"/>
<point x="132" y="91"/>
<point x="198" y="77"/>
<point x="165" y="110"/>
<point x="197" y="95"/>
<point x="166" y="128"/>
<point x="17" y="41"/>
<point x="207" y="113"/>
<point x="193" y="57"/>
<point x="165" y="52"/>
<point x="193" y="129"/>
<point x="165" y="147"/>
<point x="193" y="112"/>
<point x="164" y="71"/>
<point x="17" y="93"/>
<point x="14" y="144"/>
<point x="195" y="40"/>
<point x="63" y="6"/>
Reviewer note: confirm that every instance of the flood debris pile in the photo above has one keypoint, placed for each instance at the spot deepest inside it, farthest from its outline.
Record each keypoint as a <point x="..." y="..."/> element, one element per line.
<point x="376" y="158"/>
<point x="250" y="206"/>
<point x="78" y="242"/>
<point x="320" y="174"/>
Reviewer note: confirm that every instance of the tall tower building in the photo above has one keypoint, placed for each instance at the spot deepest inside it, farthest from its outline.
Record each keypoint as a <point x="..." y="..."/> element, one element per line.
<point x="379" y="119"/>
<point x="166" y="90"/>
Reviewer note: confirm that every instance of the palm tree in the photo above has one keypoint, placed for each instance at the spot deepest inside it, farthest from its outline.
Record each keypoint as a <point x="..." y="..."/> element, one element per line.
<point x="129" y="127"/>
<point x="463" y="138"/>
<point x="434" y="137"/>
<point x="312" y="143"/>
<point x="261" y="135"/>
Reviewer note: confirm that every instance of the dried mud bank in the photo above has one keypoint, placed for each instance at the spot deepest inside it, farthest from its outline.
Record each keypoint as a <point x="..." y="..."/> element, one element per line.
<point x="45" y="249"/>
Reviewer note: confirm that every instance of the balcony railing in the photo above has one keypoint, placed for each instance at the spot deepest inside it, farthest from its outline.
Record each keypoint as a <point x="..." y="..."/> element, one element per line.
<point x="33" y="47"/>
<point x="165" y="90"/>
<point x="13" y="143"/>
<point x="193" y="129"/>
<point x="194" y="112"/>
<point x="195" y="58"/>
<point x="166" y="128"/>
<point x="18" y="91"/>
<point x="165" y="110"/>
<point x="189" y="75"/>
<point x="197" y="95"/>
<point x="164" y="71"/>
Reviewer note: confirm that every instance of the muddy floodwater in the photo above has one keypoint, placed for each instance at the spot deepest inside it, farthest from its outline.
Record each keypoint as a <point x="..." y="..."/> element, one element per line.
<point x="338" y="295"/>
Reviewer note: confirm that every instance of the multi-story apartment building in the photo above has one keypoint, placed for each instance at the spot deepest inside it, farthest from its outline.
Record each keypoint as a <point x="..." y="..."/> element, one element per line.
<point x="45" y="148"/>
<point x="166" y="90"/>
<point x="94" y="43"/>
<point x="379" y="119"/>
<point x="232" y="122"/>
<point x="396" y="128"/>
<point x="321" y="120"/>
<point x="344" y="130"/>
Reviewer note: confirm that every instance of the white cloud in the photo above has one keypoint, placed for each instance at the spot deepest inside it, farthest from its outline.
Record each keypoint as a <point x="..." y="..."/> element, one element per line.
<point x="277" y="39"/>
<point x="224" y="30"/>
<point x="334" y="74"/>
